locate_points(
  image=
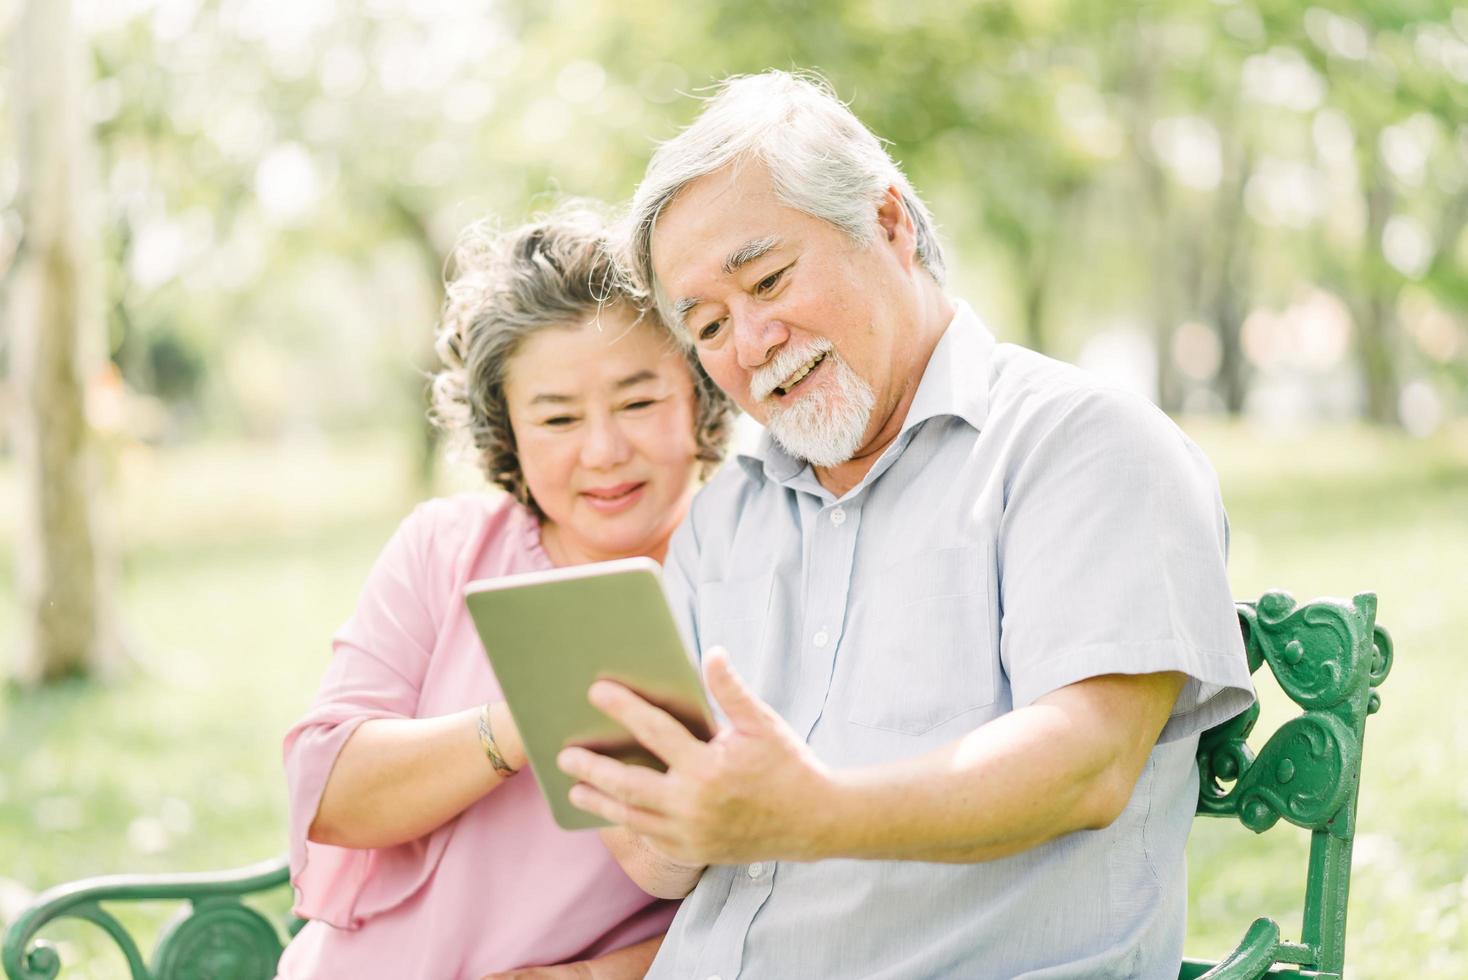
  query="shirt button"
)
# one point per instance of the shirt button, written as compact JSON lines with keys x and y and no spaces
{"x":820,"y":639}
{"x":756,"y":869}
{"x":838,"y":516}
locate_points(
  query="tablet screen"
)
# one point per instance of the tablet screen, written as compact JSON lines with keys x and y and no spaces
{"x":550,"y":634}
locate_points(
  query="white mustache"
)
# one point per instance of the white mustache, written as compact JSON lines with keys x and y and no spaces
{"x":786,"y":363}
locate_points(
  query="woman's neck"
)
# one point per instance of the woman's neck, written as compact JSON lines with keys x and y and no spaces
{"x":564,"y":551}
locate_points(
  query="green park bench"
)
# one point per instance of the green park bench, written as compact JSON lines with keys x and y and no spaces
{"x":1328,"y":656}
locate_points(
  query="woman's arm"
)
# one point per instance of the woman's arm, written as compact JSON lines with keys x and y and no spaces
{"x":654,"y":872}
{"x":397,"y":779}
{"x":628,"y":963}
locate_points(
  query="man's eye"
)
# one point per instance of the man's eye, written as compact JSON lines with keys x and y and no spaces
{"x":710,"y":329}
{"x":769,"y":282}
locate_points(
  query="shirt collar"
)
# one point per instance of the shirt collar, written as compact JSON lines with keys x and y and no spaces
{"x":955,"y":382}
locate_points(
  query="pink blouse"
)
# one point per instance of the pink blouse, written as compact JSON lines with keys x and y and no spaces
{"x":498,"y":887}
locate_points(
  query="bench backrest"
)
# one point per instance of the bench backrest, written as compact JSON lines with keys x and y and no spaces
{"x":1328,"y":656}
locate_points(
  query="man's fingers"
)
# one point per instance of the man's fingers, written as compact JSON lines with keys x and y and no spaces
{"x":745,"y":711}
{"x":659,"y":732}
{"x":635,"y":819}
{"x":636,"y":786}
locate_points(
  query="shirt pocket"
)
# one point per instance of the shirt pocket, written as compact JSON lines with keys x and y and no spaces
{"x":926,"y":655}
{"x":733,"y":615}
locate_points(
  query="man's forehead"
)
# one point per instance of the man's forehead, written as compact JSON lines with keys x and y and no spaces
{"x":713,"y":217}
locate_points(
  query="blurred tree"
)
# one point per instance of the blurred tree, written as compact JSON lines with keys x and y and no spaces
{"x":66,"y":627}
{"x":284,"y":180}
{"x":1395,"y":76}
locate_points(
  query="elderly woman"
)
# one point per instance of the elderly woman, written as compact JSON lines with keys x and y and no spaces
{"x":417,"y":848}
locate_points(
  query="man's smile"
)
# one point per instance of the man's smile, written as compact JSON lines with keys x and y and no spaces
{"x":800,"y":373}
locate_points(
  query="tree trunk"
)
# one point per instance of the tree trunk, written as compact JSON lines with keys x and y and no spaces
{"x":1231,"y":284}
{"x":1164,"y":286}
{"x":1140,"y":82}
{"x":64,"y":621}
{"x":426,"y":443}
{"x":1377,"y":306}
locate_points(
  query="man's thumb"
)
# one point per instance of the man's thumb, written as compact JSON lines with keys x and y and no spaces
{"x":744,"y":711}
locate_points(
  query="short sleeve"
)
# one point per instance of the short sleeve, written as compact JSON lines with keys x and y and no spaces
{"x":1111,"y":558}
{"x":379,"y":660}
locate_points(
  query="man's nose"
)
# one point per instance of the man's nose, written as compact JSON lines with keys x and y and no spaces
{"x":605,"y":445}
{"x":757,"y":337}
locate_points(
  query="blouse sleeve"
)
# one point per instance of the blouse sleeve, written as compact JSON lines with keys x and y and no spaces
{"x":379,"y":659}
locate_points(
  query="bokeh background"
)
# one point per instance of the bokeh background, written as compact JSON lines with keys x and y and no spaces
{"x":1253,"y":211}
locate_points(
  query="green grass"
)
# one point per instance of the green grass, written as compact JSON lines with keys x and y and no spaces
{"x":241,"y":561}
{"x":1331,"y":514}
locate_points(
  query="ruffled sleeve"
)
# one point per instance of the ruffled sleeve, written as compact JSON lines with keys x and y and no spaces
{"x":379,"y":660}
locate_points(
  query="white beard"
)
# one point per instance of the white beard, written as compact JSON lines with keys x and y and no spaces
{"x":825,"y":427}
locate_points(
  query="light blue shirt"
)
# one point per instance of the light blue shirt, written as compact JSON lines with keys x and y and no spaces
{"x":1030,"y":527}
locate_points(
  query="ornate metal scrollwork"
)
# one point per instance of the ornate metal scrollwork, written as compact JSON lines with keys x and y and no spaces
{"x":1316,"y":651}
{"x":220,"y":940}
{"x":1304,"y":774}
{"x":41,"y":963}
{"x":1326,"y":655}
{"x":1381,"y":665}
{"x":1223,"y":756}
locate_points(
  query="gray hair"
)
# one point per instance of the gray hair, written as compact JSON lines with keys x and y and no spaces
{"x":504,"y":286}
{"x":820,"y":158}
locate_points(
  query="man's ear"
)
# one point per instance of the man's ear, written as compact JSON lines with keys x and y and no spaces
{"x":896,"y":227}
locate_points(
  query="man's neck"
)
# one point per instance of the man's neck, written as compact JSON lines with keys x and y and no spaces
{"x":935,"y":312}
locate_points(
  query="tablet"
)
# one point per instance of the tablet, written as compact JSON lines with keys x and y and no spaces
{"x":550,"y":634}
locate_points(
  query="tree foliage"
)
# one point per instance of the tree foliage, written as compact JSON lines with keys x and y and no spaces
{"x":283,"y":179}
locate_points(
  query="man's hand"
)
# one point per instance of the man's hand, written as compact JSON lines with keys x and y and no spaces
{"x":751,"y":793}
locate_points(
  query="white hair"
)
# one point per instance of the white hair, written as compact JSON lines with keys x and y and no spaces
{"x":823,"y":431}
{"x":821,"y":160}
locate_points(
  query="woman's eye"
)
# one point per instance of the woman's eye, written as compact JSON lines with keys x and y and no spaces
{"x":640,"y":403}
{"x":559,"y":421}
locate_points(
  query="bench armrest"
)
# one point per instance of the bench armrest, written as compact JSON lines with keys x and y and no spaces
{"x":217,"y":926}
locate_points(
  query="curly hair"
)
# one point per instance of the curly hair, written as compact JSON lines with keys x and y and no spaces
{"x":504,"y":286}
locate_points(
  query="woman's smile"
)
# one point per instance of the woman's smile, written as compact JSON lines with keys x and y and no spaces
{"x":614,"y":499}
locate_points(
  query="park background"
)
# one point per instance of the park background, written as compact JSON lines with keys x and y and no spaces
{"x":1253,"y":211}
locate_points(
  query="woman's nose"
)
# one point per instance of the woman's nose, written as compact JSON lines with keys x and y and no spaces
{"x":606,"y":444}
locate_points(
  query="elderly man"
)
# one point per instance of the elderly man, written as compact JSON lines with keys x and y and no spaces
{"x":976,"y":598}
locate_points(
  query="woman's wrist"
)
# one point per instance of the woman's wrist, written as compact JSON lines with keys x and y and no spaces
{"x":500,"y":739}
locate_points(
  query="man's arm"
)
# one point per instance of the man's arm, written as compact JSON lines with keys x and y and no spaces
{"x":756,"y":792}
{"x":1068,"y":762}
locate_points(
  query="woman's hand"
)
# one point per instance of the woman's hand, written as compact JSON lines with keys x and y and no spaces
{"x":629,"y":963}
{"x":564,"y":971}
